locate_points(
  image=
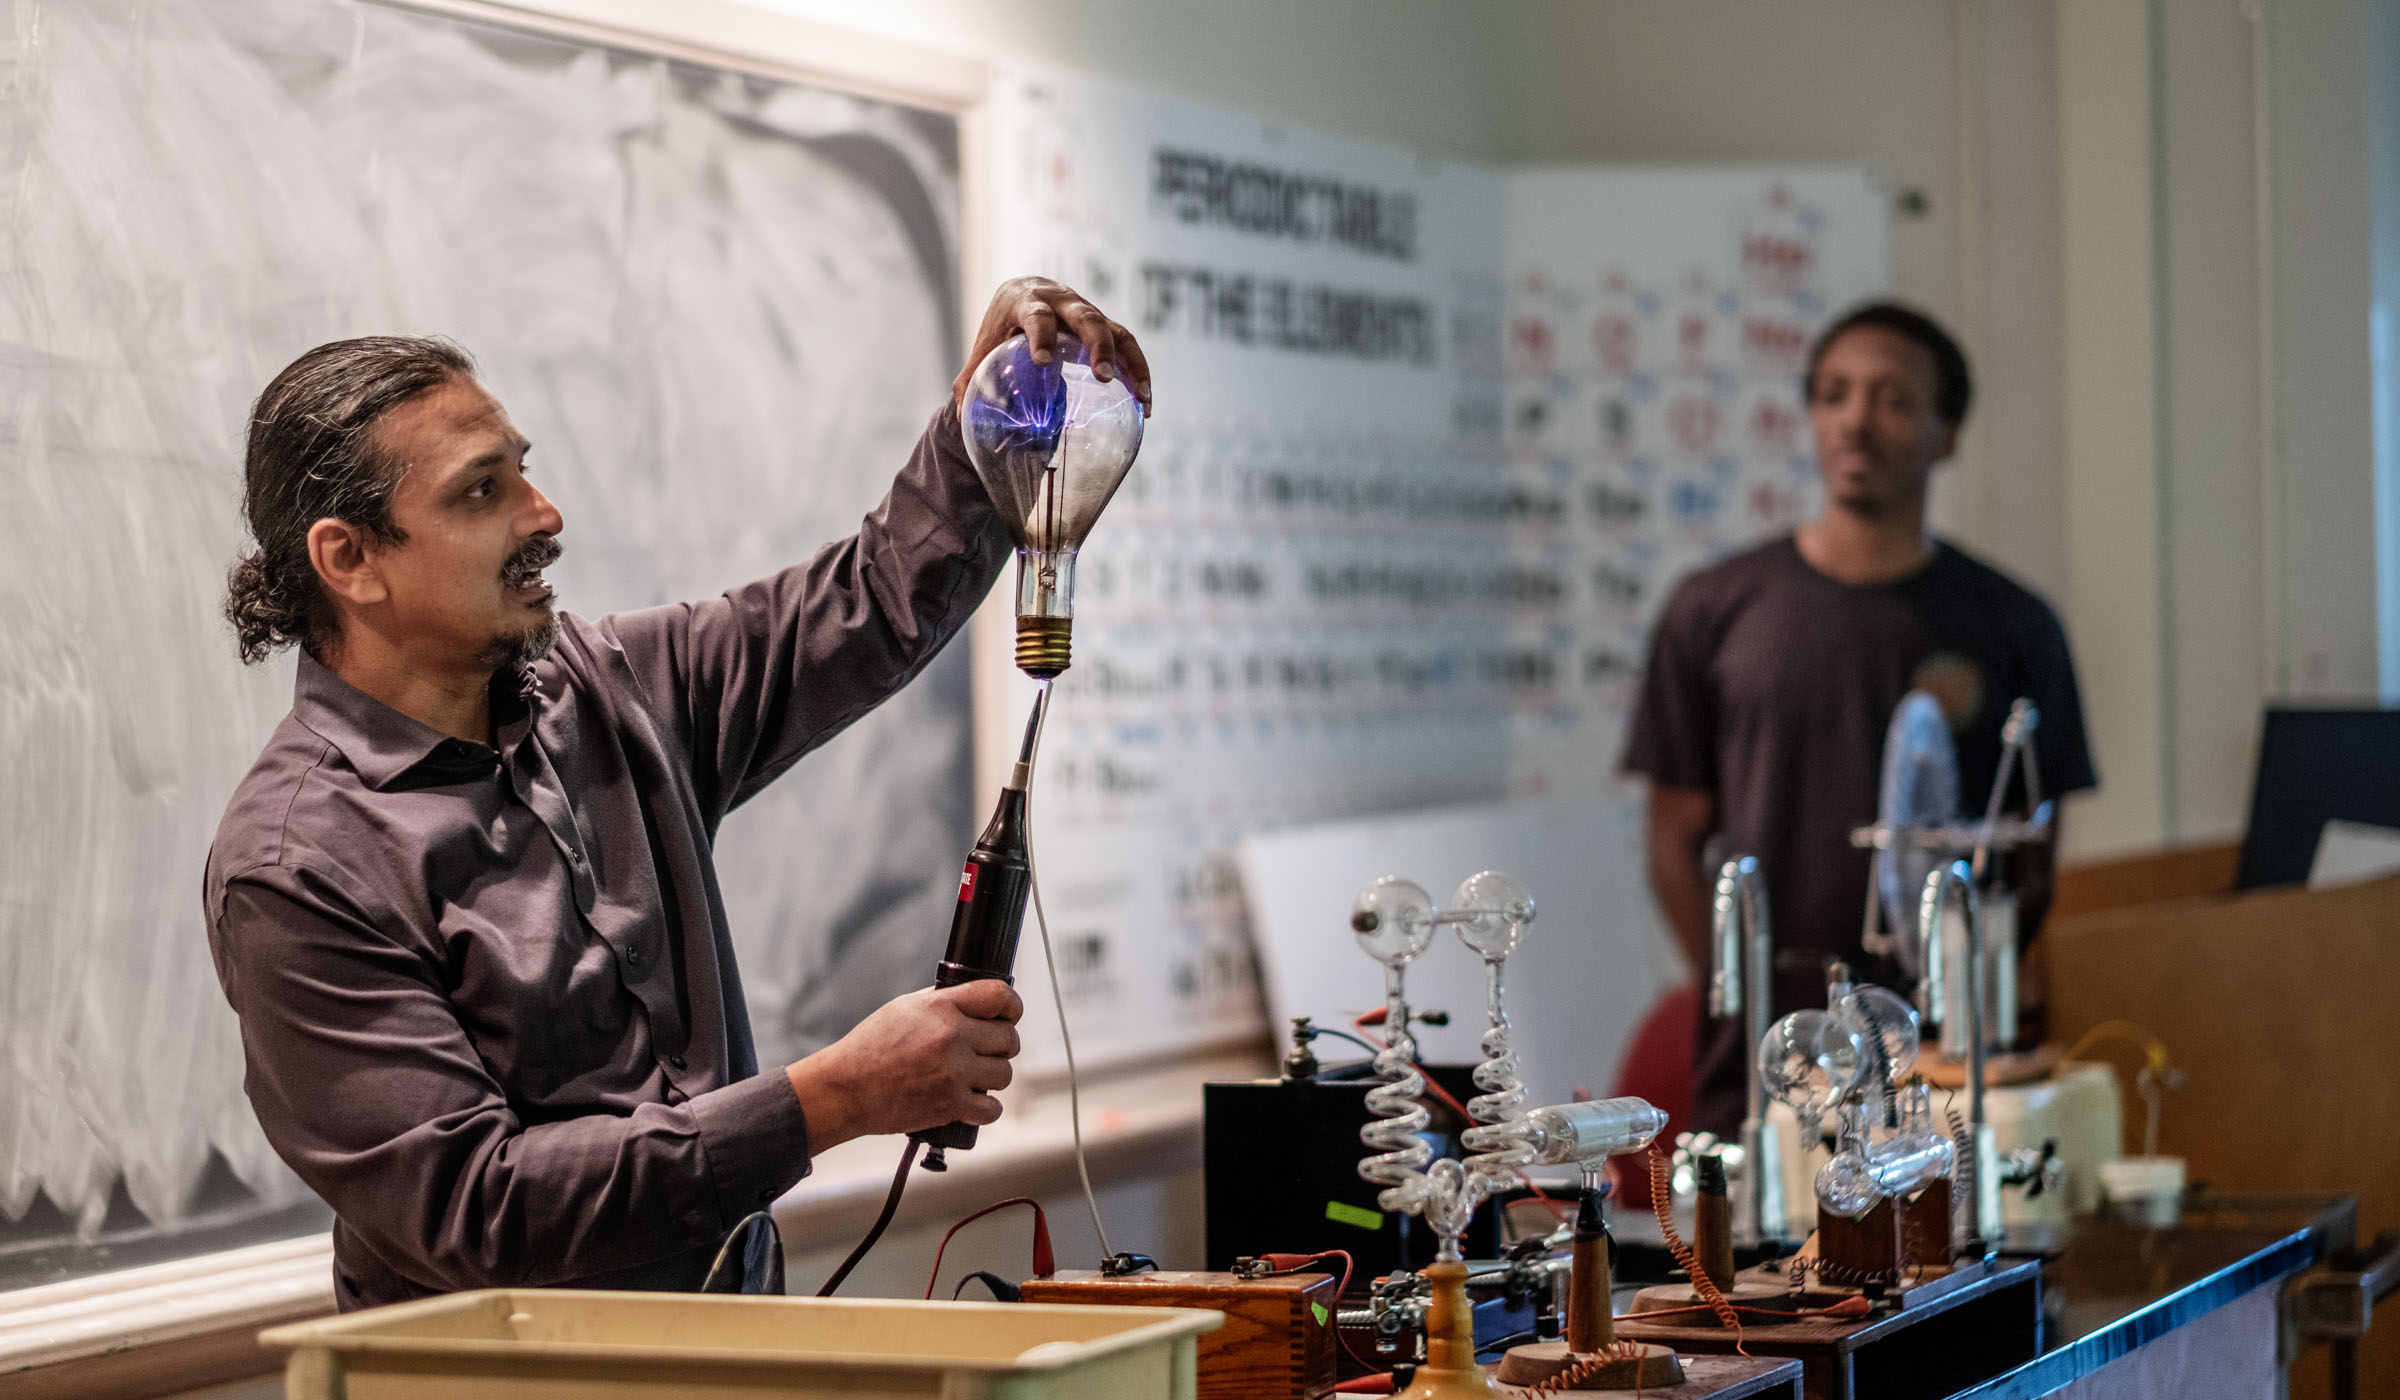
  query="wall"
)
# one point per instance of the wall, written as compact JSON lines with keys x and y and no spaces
{"x":2216,"y":176}
{"x":1439,"y":78}
{"x":2175,"y":428}
{"x":2174,"y":433}
{"x":2383,"y":159}
{"x":1949,"y":103}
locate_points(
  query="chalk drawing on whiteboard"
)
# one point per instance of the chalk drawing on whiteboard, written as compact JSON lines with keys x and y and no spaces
{"x":664,"y":271}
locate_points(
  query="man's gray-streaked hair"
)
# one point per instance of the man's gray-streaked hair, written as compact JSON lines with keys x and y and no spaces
{"x":312,"y":456}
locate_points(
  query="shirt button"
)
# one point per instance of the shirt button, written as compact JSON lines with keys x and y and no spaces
{"x":633,"y":956}
{"x":676,"y":1061}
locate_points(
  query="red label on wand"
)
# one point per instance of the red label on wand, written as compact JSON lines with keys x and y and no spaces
{"x":966,"y":883}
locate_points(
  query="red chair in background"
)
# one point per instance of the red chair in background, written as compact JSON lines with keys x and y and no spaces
{"x":1657,"y":1067}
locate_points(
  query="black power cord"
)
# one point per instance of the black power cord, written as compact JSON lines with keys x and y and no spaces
{"x":891,"y":1207}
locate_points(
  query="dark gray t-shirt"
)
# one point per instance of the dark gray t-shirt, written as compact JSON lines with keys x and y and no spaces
{"x":1770,"y":685}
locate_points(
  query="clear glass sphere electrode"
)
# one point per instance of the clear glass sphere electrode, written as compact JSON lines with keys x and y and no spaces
{"x":1808,"y":1059}
{"x":1846,"y":1186}
{"x":1496,"y":909}
{"x":1393,"y":919}
{"x":1886,"y":1023}
{"x":1051,"y":441}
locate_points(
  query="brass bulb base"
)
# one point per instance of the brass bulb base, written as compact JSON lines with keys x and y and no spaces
{"x":1044,"y":645}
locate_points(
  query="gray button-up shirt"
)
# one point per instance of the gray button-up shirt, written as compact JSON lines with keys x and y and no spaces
{"x":487,"y":996}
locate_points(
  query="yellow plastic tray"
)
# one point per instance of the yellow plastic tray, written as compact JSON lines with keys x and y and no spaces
{"x":558,"y":1344}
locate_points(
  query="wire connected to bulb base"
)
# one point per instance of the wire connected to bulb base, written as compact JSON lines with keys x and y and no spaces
{"x":1044,"y":645}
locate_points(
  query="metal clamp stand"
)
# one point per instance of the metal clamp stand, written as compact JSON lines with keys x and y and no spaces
{"x":1742,"y":983}
{"x":1978,"y":1232}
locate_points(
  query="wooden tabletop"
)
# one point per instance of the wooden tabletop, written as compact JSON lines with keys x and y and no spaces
{"x":1802,"y":1336}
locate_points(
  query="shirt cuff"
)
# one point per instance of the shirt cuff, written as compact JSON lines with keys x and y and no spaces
{"x":754,"y":1142}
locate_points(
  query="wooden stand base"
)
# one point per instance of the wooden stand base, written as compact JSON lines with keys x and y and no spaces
{"x":1643,"y":1366}
{"x":1449,"y":1383}
{"x":1449,"y":1372}
{"x":1677,"y":1305}
{"x":1915,"y":1288}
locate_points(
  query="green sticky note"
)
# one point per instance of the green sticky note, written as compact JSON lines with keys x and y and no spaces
{"x":1344,"y":1213}
{"x":1317,"y":1310}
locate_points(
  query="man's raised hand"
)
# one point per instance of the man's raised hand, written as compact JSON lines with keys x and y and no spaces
{"x":1038,"y":307}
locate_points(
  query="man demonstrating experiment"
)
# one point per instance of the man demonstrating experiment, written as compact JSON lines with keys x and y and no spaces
{"x":464,"y":903}
{"x":1772,"y":677}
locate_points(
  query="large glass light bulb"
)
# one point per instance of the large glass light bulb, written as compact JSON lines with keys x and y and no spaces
{"x":1886,"y":1024}
{"x":1051,"y":442}
{"x":1809,"y":1058}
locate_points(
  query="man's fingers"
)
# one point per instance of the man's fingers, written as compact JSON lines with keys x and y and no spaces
{"x":988,"y":1076}
{"x":980,"y":1110}
{"x":993,"y":1038}
{"x":987,"y":999}
{"x":1040,"y":325}
{"x":1098,"y":334}
{"x":1137,"y":364}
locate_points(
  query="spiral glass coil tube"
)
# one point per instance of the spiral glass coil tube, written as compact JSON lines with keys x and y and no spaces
{"x":1498,"y":1141}
{"x":1492,"y":911}
{"x":1398,"y":1119}
{"x":1393,"y":922}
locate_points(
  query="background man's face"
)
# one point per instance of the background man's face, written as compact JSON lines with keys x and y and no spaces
{"x":1871,"y":403}
{"x":466,"y":582}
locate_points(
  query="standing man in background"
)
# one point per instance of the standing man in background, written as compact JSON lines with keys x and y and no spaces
{"x":465,"y":903}
{"x":1772,"y":677}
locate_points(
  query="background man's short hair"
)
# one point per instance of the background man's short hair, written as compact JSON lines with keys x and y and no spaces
{"x":1954,"y":388}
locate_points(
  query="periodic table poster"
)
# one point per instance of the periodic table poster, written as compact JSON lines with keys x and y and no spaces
{"x":1431,"y":440}
{"x":1658,"y":327}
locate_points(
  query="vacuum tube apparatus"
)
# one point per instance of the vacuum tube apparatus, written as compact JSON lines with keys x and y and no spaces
{"x":1918,"y":830}
{"x":1394,"y":920}
{"x":1052,"y":441}
{"x":1741,"y":983}
{"x":1884,"y":1199}
{"x":1591,"y":1356}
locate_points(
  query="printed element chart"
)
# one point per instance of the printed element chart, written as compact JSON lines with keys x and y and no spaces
{"x":1432,"y":442}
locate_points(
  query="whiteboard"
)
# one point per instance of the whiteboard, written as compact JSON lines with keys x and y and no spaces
{"x":664,"y":271}
{"x":1285,"y":614}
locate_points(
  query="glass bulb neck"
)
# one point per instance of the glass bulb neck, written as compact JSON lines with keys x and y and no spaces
{"x":1046,"y":582}
{"x":1045,"y":611}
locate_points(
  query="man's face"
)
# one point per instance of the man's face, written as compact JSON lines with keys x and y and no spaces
{"x":1878,"y":434}
{"x":465,"y":584}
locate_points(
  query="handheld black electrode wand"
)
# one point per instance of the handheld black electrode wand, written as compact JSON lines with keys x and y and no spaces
{"x":1051,"y":435}
{"x":991,"y":907}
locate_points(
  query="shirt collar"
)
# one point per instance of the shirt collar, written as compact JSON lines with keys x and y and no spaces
{"x":383,"y":745}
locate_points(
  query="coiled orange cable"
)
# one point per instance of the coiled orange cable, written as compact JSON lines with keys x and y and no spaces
{"x":1590,"y":1366}
{"x":1662,"y":1201}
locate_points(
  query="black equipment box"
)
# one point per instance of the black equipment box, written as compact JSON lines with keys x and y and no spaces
{"x":1281,"y":1158}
